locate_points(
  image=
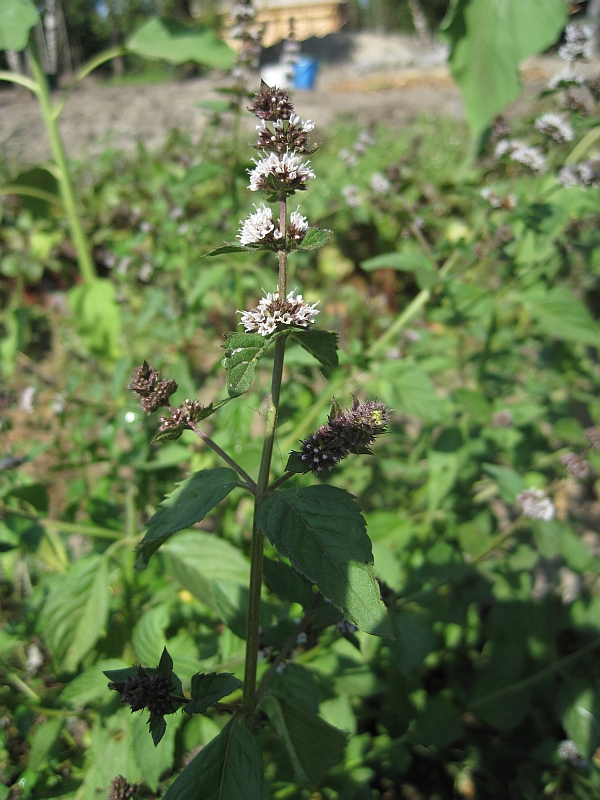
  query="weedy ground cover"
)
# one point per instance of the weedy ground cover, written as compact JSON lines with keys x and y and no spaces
{"x":466,"y":298}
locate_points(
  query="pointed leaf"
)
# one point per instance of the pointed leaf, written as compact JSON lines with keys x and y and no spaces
{"x":158,"y":728}
{"x":189,"y":503}
{"x":244,"y":351}
{"x":323,"y":345}
{"x":229,"y":248}
{"x":17,"y":17}
{"x":313,"y":745}
{"x":209,"y":688}
{"x":166,"y":38}
{"x":315,"y":238}
{"x":76,"y":611}
{"x":321,"y":530}
{"x":228,"y":768}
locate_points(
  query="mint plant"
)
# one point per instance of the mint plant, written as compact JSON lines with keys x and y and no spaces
{"x":324,"y":560}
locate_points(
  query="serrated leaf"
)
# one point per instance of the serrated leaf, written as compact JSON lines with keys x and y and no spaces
{"x":314,"y":239}
{"x":168,"y":39}
{"x":75,"y":614}
{"x":229,"y":248}
{"x":287,"y":584}
{"x":321,"y":530}
{"x":189,"y":503}
{"x":313,"y":745}
{"x":17,"y":17}
{"x":323,"y":345}
{"x":489,"y":39}
{"x":230,"y":767}
{"x":424,"y":269}
{"x":243,"y":351}
{"x":209,"y":688}
{"x":561,"y":315}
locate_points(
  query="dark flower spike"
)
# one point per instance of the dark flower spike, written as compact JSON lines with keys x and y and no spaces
{"x":271,"y":104}
{"x":153,"y":393}
{"x":158,"y":689}
{"x":347,"y":432}
{"x":121,"y":789}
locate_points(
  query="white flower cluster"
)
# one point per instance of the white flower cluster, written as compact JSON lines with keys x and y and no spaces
{"x":351,"y":195}
{"x":287,"y":169}
{"x":584,"y":174}
{"x":258,"y":227}
{"x":272,"y":312}
{"x":298,"y":226}
{"x":535,"y":504}
{"x":555,"y":126}
{"x":379,"y":183}
{"x":496,"y":200}
{"x":567,"y":751}
{"x":522,"y":153}
{"x":579,"y":42}
{"x":565,"y":78}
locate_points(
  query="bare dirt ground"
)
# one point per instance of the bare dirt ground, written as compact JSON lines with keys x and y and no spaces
{"x":363,"y":77}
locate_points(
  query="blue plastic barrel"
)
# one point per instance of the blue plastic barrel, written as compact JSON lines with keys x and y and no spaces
{"x":305,"y":73}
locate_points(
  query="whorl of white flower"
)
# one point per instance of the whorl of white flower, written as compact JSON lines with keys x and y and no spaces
{"x":555,"y":126}
{"x":283,"y":166}
{"x":349,"y":159}
{"x":567,"y":751}
{"x":579,"y":42}
{"x":351,"y":195}
{"x":295,"y":122}
{"x":503,"y":147}
{"x":272,"y":312}
{"x":530,"y":157}
{"x":566,"y":76}
{"x":258,"y":226}
{"x":508,"y":202}
{"x":298,"y":226}
{"x":584,"y":174}
{"x":379,"y":183}
{"x":535,"y":504}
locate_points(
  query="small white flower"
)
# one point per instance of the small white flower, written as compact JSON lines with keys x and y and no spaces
{"x":584,"y":174}
{"x":379,"y":183}
{"x":566,"y":76}
{"x":298,"y":226}
{"x":530,"y":157}
{"x":579,"y":42}
{"x":555,"y":126}
{"x":535,"y":504}
{"x":288,"y":169}
{"x":273,"y":311}
{"x":502,"y":148}
{"x":257,"y":227}
{"x":351,"y":195}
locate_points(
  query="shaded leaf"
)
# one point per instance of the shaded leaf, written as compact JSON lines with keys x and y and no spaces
{"x":209,"y":688}
{"x":321,"y":530}
{"x":313,"y":745}
{"x":187,"y":504}
{"x":424,"y":269}
{"x":323,"y":345}
{"x":287,"y":584}
{"x":561,"y":315}
{"x":314,"y":239}
{"x":230,"y":767}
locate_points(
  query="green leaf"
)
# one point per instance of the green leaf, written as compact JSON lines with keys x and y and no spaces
{"x":313,"y":745}
{"x":148,"y":637}
{"x":561,"y":315}
{"x":209,"y":688}
{"x":230,"y":248}
{"x":489,"y":39}
{"x":75,"y":614}
{"x":228,"y":768}
{"x":201,"y":173}
{"x":158,"y":728}
{"x":413,"y":641}
{"x":98,"y":317}
{"x":314,"y":239}
{"x":17,"y":17}
{"x":37,"y":178}
{"x":189,"y":503}
{"x":406,"y":388}
{"x":581,"y":719}
{"x":153,"y":761}
{"x":424,"y":269}
{"x":43,"y":740}
{"x":91,"y":685}
{"x":439,"y":724}
{"x":287,"y":584}
{"x":323,"y":345}
{"x":243,"y":351}
{"x":321,"y":530}
{"x":168,"y":39}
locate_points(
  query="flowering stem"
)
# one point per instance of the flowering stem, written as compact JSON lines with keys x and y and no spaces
{"x":227,"y":458}
{"x":258,"y":537}
{"x":282,"y":254}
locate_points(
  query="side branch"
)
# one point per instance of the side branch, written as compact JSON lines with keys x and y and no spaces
{"x":227,"y":458}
